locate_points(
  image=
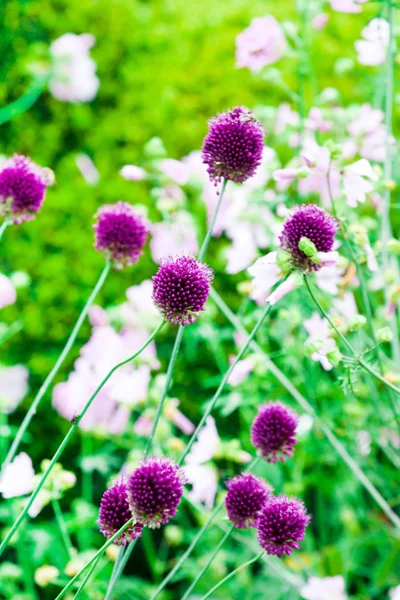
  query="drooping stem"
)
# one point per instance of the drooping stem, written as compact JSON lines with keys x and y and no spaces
{"x":179,"y":335}
{"x":25,"y":101}
{"x":42,"y":391}
{"x":224,"y":381}
{"x":94,"y":558}
{"x":68,"y":437}
{"x":294,"y":392}
{"x":4,"y":226}
{"x":232,"y":573}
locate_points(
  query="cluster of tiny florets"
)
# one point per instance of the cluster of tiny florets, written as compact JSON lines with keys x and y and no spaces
{"x":155,"y":490}
{"x":233,"y":147}
{"x":121,"y":234}
{"x":281,"y":525}
{"x":312,"y":222}
{"x":23,"y":187}
{"x":115,"y":512}
{"x":246,"y":497}
{"x":273,"y":431}
{"x":180,"y":289}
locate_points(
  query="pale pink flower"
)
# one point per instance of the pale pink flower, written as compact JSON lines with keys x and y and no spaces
{"x":364,"y":442}
{"x":132,"y":173}
{"x":176,"y":237}
{"x":294,"y":281}
{"x":98,"y":316}
{"x":8,"y":295}
{"x":370,"y":133}
{"x":87,"y":168}
{"x":372,"y":48}
{"x":13,"y":387}
{"x":262,"y":43}
{"x":73,"y":77}
{"x":320,"y":21}
{"x":242,"y":369}
{"x":140,"y":310}
{"x":173,"y":414}
{"x":266,"y":274}
{"x":317,"y":180}
{"x":175,"y":170}
{"x":203,"y":480}
{"x":285,"y":176}
{"x":143,"y":426}
{"x":346,"y":306}
{"x":394,"y":593}
{"x":316,"y":122}
{"x":285,"y":117}
{"x":324,"y":588}
{"x":17,"y":478}
{"x":357,"y":182}
{"x":318,"y":330}
{"x":206,"y":445}
{"x":328,"y":279}
{"x":346,"y":6}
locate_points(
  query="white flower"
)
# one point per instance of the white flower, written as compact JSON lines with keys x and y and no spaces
{"x":8,"y":295}
{"x":318,"y":329}
{"x":13,"y":387}
{"x":324,"y":588}
{"x":206,"y":445}
{"x":204,"y":484}
{"x":394,"y":593}
{"x":266,"y":274}
{"x":18,"y":477}
{"x":132,"y":173}
{"x":73,"y":76}
{"x":372,"y":48}
{"x":87,"y":168}
{"x":355,"y":181}
{"x":328,"y":279}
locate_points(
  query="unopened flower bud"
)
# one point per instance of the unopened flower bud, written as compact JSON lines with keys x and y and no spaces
{"x":283,"y":261}
{"x":394,"y":246}
{"x":46,"y":575}
{"x":359,"y":234}
{"x":312,"y":346}
{"x":390,"y":276}
{"x":308,"y":247}
{"x":356,"y":322}
{"x":389,"y":184}
{"x":384,"y":335}
{"x":335,"y":150}
{"x":112,"y":552}
{"x":334,"y":356}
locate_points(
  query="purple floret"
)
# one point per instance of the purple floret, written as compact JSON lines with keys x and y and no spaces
{"x":246,"y":497}
{"x":273,"y":431}
{"x":115,"y":512}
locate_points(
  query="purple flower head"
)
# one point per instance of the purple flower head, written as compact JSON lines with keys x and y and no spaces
{"x":246,"y":497}
{"x":121,"y":233}
{"x":282,"y":524}
{"x":273,"y":431}
{"x":115,"y":512}
{"x":155,"y":490}
{"x":180,"y":288}
{"x":233,"y":147}
{"x":312,"y":222}
{"x":22,"y":188}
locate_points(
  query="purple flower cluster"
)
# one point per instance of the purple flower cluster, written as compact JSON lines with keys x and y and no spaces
{"x":115,"y":512}
{"x":273,"y":431}
{"x":281,"y":525}
{"x":121,"y":234}
{"x":180,"y":289}
{"x":312,"y":222}
{"x":151,"y":495}
{"x":23,"y":187}
{"x":233,"y":147}
{"x":245,"y":499}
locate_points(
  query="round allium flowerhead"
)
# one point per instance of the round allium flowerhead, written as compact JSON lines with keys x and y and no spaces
{"x":246,"y":497}
{"x":312,"y":222}
{"x":233,"y":147}
{"x":115,"y":512}
{"x":155,"y":490}
{"x":281,"y":525}
{"x":273,"y":431}
{"x":180,"y":288}
{"x":121,"y":234}
{"x":22,"y":188}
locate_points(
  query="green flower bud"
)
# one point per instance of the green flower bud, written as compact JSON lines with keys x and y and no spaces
{"x":311,"y":346}
{"x":390,"y":276}
{"x":283,"y":261}
{"x":308,"y":247}
{"x":335,"y":150}
{"x":384,"y":334}
{"x":394,"y":246}
{"x":356,"y":322}
{"x":334,"y":356}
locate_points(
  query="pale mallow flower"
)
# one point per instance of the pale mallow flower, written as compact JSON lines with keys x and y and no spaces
{"x":201,"y":477}
{"x":357,"y":182}
{"x":132,"y":173}
{"x":73,"y":76}
{"x":13,"y":387}
{"x":347,"y":6}
{"x":18,"y":477}
{"x":372,"y":48}
{"x":324,"y":588}
{"x":262,"y":43}
{"x":87,"y":169}
{"x":176,"y":170}
{"x":8,"y":295}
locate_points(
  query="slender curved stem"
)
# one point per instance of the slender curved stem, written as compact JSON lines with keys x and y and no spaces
{"x":294,"y":392}
{"x":42,"y":391}
{"x":224,"y":381}
{"x":67,"y":438}
{"x":94,"y":558}
{"x":23,"y":103}
{"x":232,"y":573}
{"x":120,"y":557}
{"x":87,"y":577}
{"x":4,"y":225}
{"x":208,"y":563}
{"x":119,"y":569}
{"x":206,"y":241}
{"x":63,"y":528}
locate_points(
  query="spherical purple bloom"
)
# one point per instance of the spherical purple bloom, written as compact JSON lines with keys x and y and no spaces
{"x":115,"y":512}
{"x":121,"y":233}
{"x":312,"y":222}
{"x":246,"y":497}
{"x":273,"y":430}
{"x":281,"y":525}
{"x":155,"y":490}
{"x":233,"y":147}
{"x":180,"y":288}
{"x":22,"y":188}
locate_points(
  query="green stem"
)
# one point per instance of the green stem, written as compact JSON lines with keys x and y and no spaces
{"x":224,"y":381}
{"x":68,"y":437}
{"x":33,"y":408}
{"x":23,"y":103}
{"x":294,"y":392}
{"x":4,"y":225}
{"x":63,"y":528}
{"x":231,"y":574}
{"x":208,"y":563}
{"x":181,"y":330}
{"x":94,"y":558}
{"x":360,"y":361}
{"x":87,"y":577}
{"x":118,"y":569}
